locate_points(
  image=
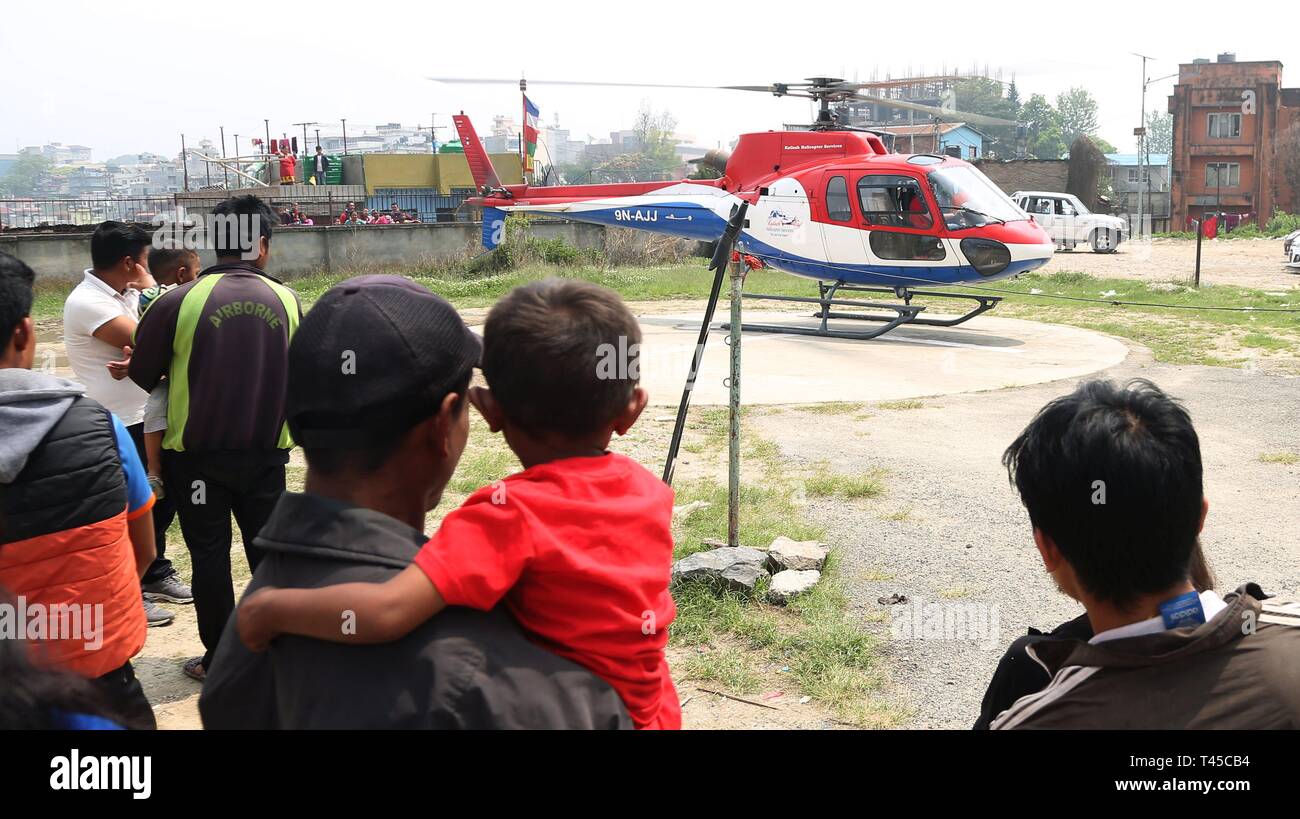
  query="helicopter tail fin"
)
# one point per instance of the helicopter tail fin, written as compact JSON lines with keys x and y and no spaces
{"x":480,"y":166}
{"x":494,"y":227}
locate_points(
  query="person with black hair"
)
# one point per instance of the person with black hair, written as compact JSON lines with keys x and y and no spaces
{"x":320,"y":166}
{"x":1112,"y":479}
{"x":578,"y":545}
{"x":99,"y":319}
{"x":75,"y":530}
{"x":378,"y":375}
{"x":222,"y":341}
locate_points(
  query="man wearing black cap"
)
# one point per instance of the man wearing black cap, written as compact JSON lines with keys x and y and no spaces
{"x":378,"y":373}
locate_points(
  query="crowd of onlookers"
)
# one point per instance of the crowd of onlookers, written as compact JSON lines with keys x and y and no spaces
{"x":352,"y":215}
{"x":544,"y":599}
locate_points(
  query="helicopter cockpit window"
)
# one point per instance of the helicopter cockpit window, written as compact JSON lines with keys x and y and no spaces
{"x":837,"y":200}
{"x":968,"y":199}
{"x":893,"y":201}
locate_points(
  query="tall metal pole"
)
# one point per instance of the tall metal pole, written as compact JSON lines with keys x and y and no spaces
{"x":733,"y":385}
{"x":345,"y":136}
{"x":270,"y":174}
{"x":224,"y":170}
{"x":1142,"y":141}
{"x":185,"y":163}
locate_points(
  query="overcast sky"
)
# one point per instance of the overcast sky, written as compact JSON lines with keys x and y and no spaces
{"x":127,"y":76}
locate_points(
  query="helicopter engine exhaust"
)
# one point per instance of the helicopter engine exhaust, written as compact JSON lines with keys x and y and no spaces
{"x":715,"y":160}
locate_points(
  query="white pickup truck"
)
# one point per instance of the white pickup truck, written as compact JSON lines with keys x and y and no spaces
{"x":1069,"y":222}
{"x":1291,"y":249}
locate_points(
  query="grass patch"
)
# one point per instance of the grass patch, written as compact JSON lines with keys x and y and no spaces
{"x":1194,"y":331}
{"x":830,"y":658}
{"x":734,"y":668}
{"x":832,"y":485}
{"x":876,"y":576}
{"x":1263,"y":341}
{"x":898,"y":515}
{"x":901,"y":405}
{"x":1285,"y":458}
{"x":830,"y":408}
{"x":482,"y":467}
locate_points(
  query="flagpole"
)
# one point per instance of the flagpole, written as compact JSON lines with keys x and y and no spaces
{"x":523,"y":128}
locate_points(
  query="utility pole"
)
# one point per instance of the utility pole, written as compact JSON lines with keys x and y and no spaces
{"x":224,"y":170}
{"x":345,"y":136}
{"x":185,"y":163}
{"x":304,"y":134}
{"x":1141,"y":132}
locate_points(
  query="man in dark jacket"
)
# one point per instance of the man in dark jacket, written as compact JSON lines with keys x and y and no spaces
{"x":320,"y":166}
{"x":1111,"y":477}
{"x":377,"y":379}
{"x":222,"y":342}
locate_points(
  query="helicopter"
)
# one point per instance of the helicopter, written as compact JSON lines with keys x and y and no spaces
{"x":830,"y":203}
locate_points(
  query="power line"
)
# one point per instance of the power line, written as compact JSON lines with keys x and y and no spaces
{"x":1117,"y":303}
{"x":1113,"y":302}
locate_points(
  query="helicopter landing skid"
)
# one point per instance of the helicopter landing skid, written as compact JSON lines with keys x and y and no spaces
{"x":905,"y":313}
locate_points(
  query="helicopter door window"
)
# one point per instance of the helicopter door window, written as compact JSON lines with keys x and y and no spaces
{"x":837,"y":200}
{"x":912,"y":247}
{"x":893,"y":201}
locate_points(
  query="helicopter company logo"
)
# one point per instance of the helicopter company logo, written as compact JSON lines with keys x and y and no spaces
{"x":779,"y":223}
{"x":637,"y":215}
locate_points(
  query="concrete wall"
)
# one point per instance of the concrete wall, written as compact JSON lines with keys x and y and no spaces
{"x":301,"y":251}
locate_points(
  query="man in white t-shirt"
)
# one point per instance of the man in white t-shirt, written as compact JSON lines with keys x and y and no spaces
{"x":99,"y":319}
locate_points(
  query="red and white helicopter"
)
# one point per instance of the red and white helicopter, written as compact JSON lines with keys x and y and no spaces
{"x":830,"y":204}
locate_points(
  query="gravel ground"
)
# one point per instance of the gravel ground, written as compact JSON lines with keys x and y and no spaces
{"x":1254,"y":263}
{"x":965,"y":537}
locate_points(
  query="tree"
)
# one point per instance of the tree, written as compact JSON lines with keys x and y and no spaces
{"x":653,"y":153}
{"x":1160,"y":132}
{"x":1288,"y":154}
{"x":1104,"y":146}
{"x":1078,"y":112}
{"x":979,"y":95}
{"x":1013,"y":95}
{"x":1043,"y":124}
{"x":25,"y":175}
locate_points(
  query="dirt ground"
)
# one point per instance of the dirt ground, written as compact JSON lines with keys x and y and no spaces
{"x":1256,"y":263}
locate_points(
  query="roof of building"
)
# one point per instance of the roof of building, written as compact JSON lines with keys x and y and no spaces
{"x":1153,"y":160}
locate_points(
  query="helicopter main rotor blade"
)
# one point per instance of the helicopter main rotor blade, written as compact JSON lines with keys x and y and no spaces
{"x":938,"y":113}
{"x":481,"y":81}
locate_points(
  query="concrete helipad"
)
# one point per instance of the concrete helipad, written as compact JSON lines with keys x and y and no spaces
{"x":987,"y":353}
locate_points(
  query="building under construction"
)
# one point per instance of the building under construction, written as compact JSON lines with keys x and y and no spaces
{"x":937,"y":90}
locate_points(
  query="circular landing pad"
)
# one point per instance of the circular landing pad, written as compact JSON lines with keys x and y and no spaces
{"x":988,"y":353}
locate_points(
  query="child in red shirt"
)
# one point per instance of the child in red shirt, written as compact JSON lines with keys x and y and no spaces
{"x":578,"y":545}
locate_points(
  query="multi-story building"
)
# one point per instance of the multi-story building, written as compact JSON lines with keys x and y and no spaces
{"x":59,"y":154}
{"x":1228,"y":117}
{"x":1129,"y":182}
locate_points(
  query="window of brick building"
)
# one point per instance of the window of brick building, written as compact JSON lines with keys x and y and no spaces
{"x":1224,"y":126}
{"x":1222,"y":175}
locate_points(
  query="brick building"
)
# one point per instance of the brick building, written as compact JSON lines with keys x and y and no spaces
{"x":1228,"y":120}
